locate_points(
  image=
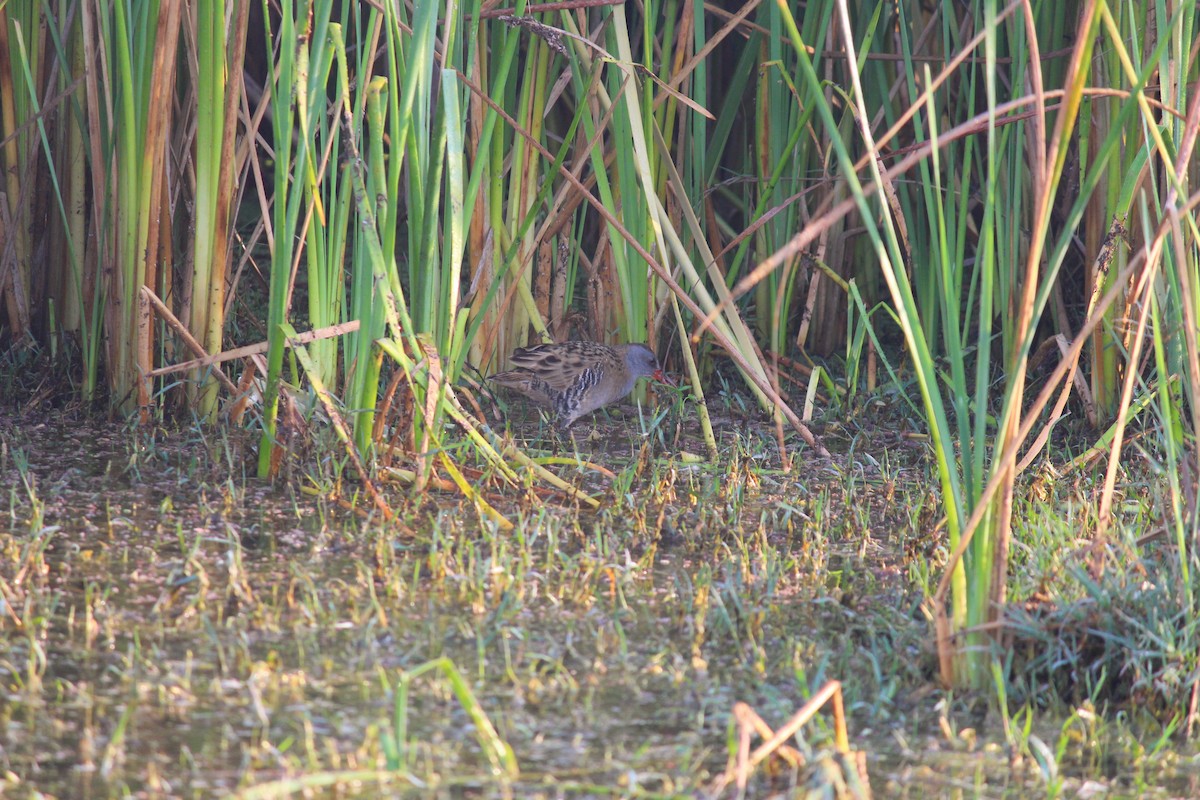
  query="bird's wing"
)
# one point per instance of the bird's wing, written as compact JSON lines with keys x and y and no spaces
{"x":557,"y":367}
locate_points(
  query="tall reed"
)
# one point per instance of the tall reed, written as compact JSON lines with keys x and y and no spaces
{"x":459,"y":184}
{"x":219,"y":54}
{"x":972,"y":253}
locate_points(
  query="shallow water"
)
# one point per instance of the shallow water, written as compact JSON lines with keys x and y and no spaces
{"x":173,"y":627}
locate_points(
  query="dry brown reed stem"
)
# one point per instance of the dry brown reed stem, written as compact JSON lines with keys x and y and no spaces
{"x":738,"y":358}
{"x":15,"y":294}
{"x":14,"y":285}
{"x":185,"y":335}
{"x":237,"y":409}
{"x":160,"y":107}
{"x":434,"y":382}
{"x":250,"y":349}
{"x":403,"y":429}
{"x":342,"y":430}
{"x":776,"y":741}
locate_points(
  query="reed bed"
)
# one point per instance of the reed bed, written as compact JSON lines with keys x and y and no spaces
{"x":993,"y":200}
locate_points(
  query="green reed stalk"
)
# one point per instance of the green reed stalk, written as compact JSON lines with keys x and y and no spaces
{"x":284,"y":74}
{"x":1120,"y":168}
{"x":489,"y":54}
{"x":428,"y":138}
{"x":618,"y":187}
{"x":214,"y":187}
{"x":383,"y":120}
{"x":522,"y":192}
{"x":306,"y":190}
{"x":362,"y":368}
{"x":1023,"y":296}
{"x":328,"y":199}
{"x":976,"y":583}
{"x":633,"y":183}
{"x":129,"y":121}
{"x":785,"y":162}
{"x":1166,"y":299}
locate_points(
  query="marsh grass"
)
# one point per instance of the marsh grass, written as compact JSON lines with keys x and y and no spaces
{"x":925,"y":174}
{"x":226,"y":636}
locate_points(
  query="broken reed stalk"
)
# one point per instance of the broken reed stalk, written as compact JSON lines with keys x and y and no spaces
{"x":750,"y":723}
{"x":339,"y":425}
